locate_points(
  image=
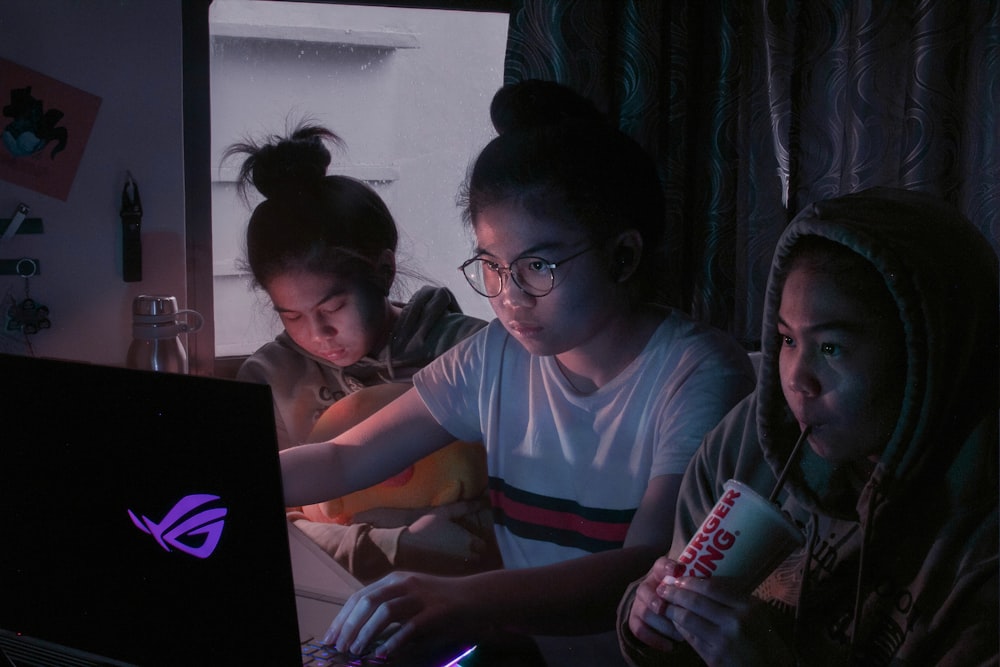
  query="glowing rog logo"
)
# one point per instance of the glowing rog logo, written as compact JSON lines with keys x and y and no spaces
{"x":188,"y":526}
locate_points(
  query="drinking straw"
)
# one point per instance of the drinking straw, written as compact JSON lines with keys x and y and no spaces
{"x":788,"y":464}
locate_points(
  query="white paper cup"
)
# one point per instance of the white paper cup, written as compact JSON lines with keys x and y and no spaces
{"x":745,"y":537}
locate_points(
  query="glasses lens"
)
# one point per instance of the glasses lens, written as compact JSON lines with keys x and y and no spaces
{"x":533,"y":275}
{"x":483,"y":275}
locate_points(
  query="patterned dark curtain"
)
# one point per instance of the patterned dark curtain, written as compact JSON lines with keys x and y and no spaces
{"x":755,"y":109}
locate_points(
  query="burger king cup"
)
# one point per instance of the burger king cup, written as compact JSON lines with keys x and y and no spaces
{"x":745,"y":537}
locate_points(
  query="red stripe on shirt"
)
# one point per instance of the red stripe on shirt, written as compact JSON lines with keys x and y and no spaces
{"x":600,"y":530}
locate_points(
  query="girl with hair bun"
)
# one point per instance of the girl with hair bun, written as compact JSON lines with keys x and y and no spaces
{"x":588,"y":397}
{"x":323,"y":248}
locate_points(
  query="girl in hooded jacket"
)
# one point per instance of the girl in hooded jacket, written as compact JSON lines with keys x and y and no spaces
{"x":879,"y":341}
{"x":323,"y":248}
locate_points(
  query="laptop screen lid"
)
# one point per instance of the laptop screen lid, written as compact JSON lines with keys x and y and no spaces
{"x":142,"y":517}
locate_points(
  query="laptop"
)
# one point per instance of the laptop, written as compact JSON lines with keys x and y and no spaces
{"x":143,"y":524}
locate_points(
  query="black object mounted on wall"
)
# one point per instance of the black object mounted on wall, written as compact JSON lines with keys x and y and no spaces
{"x":19,"y":223}
{"x":131,"y":214}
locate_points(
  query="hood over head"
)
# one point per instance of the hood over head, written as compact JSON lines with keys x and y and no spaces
{"x":942,"y":274}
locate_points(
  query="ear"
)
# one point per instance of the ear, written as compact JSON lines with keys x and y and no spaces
{"x":385,"y":268}
{"x":626,"y":255}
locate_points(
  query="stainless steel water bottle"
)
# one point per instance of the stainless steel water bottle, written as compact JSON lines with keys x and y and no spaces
{"x":156,"y":329}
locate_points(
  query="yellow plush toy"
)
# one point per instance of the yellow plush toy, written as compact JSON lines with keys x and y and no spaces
{"x":455,"y":472}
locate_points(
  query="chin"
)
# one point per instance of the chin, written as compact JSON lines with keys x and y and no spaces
{"x":533,"y":344}
{"x":839,"y":456}
{"x":833,"y":454}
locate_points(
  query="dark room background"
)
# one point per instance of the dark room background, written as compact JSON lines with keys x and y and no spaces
{"x":755,"y":109}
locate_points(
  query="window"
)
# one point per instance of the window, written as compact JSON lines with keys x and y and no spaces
{"x":408,"y":89}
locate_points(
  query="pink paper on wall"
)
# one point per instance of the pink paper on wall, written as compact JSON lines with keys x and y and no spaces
{"x":44,"y":128}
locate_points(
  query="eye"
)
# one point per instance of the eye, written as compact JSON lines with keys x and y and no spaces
{"x":829,"y":349}
{"x":785,"y":341}
{"x":488,"y":265}
{"x":535,"y":265}
{"x":335,"y":308}
{"x":331,"y":308}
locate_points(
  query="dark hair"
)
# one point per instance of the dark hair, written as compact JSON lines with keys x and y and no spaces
{"x":310,"y":221}
{"x":571,"y":167}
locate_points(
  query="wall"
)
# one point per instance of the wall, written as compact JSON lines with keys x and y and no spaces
{"x":128,"y":53}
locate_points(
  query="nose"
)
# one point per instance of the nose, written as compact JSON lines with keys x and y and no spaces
{"x":320,"y":329}
{"x":511,"y":295}
{"x":799,"y":373}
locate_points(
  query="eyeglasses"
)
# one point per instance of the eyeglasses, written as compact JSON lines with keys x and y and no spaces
{"x":534,"y":276}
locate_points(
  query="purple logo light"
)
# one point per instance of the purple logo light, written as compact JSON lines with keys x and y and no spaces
{"x":186,"y":520}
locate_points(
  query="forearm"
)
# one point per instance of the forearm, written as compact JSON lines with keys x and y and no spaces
{"x":578,"y":596}
{"x":317,"y":472}
{"x":374,"y":450}
{"x":306,"y":474}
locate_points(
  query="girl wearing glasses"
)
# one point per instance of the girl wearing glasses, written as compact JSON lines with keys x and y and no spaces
{"x":323,"y":248}
{"x":588,"y":399}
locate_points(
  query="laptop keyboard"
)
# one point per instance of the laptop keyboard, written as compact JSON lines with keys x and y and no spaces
{"x":318,"y":655}
{"x":315,"y":654}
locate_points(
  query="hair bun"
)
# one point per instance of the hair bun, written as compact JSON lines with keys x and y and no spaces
{"x":534,"y":103}
{"x":286,"y":166}
{"x":292,"y":165}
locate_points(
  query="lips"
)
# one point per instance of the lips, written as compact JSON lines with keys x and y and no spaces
{"x":334,"y":355}
{"x":805,"y":416}
{"x":524,"y":328}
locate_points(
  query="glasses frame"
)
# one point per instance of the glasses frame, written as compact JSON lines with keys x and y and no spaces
{"x":505,"y":269}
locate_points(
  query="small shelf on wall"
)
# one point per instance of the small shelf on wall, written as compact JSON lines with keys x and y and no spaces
{"x":298,"y":22}
{"x":373,"y":39}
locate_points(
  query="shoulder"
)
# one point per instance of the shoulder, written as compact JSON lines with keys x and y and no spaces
{"x":732,"y":450}
{"x":280,"y":363}
{"x":433,"y":321}
{"x":678,"y":328}
{"x":481,"y":344}
{"x":471,"y":359}
{"x":268,"y":359}
{"x":729,"y":450}
{"x":683,"y":348}
{"x":734,"y":438}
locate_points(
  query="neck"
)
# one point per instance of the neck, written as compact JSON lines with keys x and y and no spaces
{"x":589,"y":368}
